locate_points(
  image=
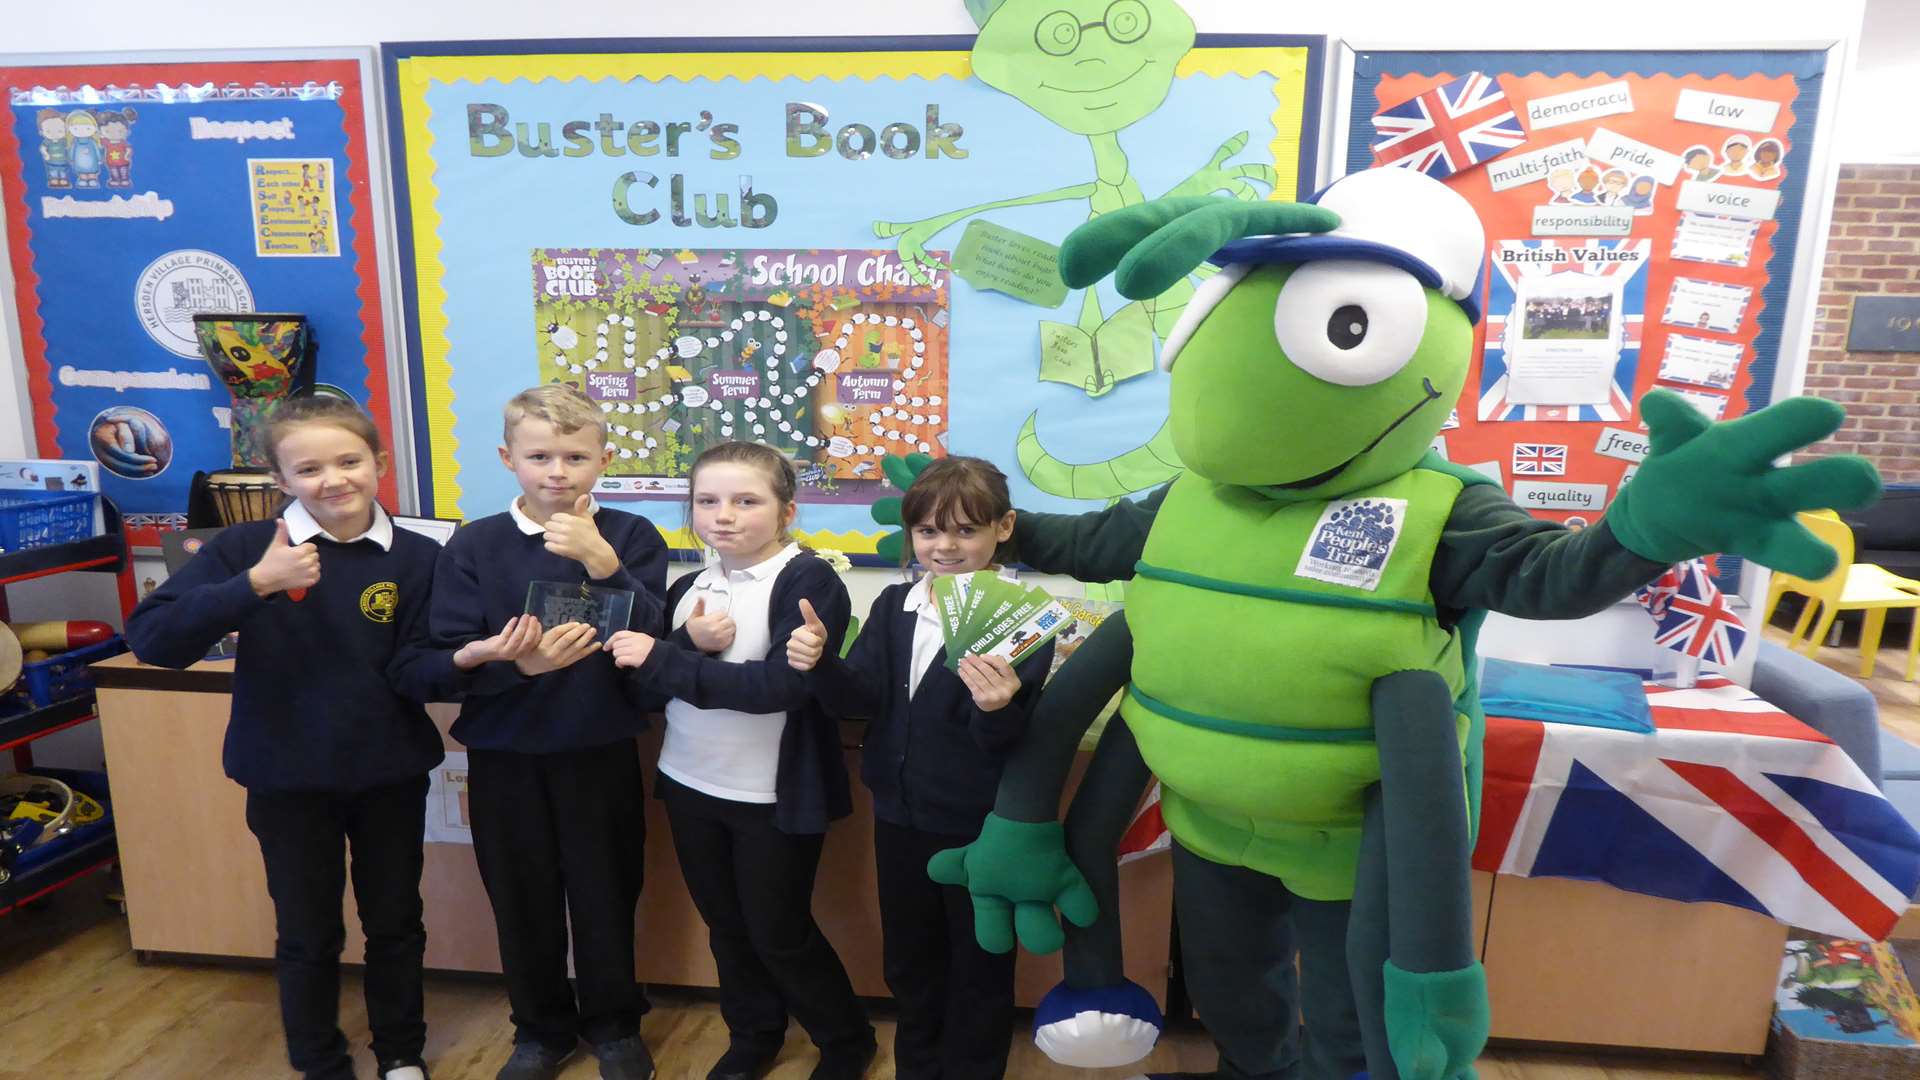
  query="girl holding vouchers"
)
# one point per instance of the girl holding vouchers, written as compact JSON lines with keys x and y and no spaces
{"x":751,"y":769}
{"x":932,"y":759}
{"x":327,"y":735}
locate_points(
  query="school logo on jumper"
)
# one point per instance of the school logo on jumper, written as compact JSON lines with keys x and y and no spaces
{"x":380,"y":601}
{"x":1352,"y":542}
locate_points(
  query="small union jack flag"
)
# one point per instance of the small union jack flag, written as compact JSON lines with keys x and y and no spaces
{"x":1448,"y":129}
{"x":1539,"y":459}
{"x":1691,"y":616}
{"x":1148,"y":834}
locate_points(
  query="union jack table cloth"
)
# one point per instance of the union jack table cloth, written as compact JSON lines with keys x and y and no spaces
{"x":1729,"y":800}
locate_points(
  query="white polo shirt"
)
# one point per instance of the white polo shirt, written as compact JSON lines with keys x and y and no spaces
{"x":301,"y":527}
{"x":533,"y":528}
{"x":721,"y":752}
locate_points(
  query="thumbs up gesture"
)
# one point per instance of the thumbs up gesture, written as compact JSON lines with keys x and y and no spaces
{"x":710,"y":633}
{"x":285,"y":566}
{"x":806,"y":644}
{"x":575,"y":536}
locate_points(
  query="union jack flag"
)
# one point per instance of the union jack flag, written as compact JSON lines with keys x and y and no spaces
{"x":1539,"y":459}
{"x":1729,"y":800}
{"x":1148,"y":834}
{"x":1690,"y":614}
{"x":1448,"y":129}
{"x":1607,"y":260}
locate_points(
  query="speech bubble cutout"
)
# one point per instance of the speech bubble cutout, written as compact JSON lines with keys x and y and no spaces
{"x":840,"y":446}
{"x":695,"y":396}
{"x":686,"y":348}
{"x":827,"y":361}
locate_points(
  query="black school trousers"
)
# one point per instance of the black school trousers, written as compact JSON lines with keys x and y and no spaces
{"x":304,"y":839}
{"x":955,"y":999}
{"x":561,"y":840}
{"x":753,"y":885}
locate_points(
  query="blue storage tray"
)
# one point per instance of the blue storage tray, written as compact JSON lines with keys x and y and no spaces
{"x":58,"y":678}
{"x":31,"y":519}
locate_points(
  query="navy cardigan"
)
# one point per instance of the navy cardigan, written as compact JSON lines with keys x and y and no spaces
{"x":933,"y":760}
{"x":811,"y":787}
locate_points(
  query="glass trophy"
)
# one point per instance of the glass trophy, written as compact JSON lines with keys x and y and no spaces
{"x":556,"y":602}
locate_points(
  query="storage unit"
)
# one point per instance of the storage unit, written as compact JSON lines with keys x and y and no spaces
{"x":106,"y":553}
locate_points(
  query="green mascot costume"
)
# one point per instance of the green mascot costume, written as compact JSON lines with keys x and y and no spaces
{"x":1297,"y":652}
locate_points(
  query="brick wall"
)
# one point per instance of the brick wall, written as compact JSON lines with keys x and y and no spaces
{"x":1874,"y":248}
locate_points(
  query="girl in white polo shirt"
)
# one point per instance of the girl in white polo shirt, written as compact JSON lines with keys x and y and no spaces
{"x":751,"y":769}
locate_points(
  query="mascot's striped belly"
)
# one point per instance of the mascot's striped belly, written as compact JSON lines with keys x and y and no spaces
{"x":1259,"y":628}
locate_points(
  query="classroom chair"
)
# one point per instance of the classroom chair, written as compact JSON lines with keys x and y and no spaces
{"x":1850,"y":587}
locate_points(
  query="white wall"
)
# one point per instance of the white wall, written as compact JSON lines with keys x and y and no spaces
{"x":1879,"y":125}
{"x":133,"y":24}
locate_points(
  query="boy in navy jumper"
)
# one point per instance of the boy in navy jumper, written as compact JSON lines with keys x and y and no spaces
{"x":553,"y":772}
{"x":331,"y":604}
{"x":932,"y":757}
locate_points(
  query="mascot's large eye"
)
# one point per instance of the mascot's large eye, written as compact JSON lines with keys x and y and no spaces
{"x":1350,"y":323}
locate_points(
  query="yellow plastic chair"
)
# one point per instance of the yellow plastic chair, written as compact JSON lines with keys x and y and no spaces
{"x":1851,"y":587}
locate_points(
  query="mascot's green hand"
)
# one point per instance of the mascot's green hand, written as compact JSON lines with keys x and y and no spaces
{"x":902,"y":471}
{"x":1437,"y":1022}
{"x":1708,"y":487}
{"x":1017,"y":872}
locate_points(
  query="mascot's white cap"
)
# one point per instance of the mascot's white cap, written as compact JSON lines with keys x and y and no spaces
{"x":1390,"y":215}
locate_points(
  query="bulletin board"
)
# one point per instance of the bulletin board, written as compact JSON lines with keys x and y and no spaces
{"x":139,"y":193}
{"x":840,"y":247}
{"x":1642,"y":212}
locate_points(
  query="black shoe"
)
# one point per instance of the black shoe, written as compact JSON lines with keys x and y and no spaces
{"x":624,"y":1059}
{"x":534,"y":1061}
{"x":743,"y":1062}
{"x":846,"y":1062}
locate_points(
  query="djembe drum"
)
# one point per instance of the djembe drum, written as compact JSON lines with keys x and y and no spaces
{"x":262,"y":358}
{"x":244,"y":495}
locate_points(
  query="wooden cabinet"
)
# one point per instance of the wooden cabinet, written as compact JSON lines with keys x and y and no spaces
{"x":1567,"y":961}
{"x":195,"y":884}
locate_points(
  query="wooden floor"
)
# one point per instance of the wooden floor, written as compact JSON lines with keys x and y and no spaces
{"x":74,"y":1003}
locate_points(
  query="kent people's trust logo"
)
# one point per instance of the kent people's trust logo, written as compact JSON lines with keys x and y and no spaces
{"x":1359,"y":534}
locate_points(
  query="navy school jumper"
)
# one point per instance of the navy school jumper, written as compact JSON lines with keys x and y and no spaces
{"x":481,"y":582}
{"x":326,"y":689}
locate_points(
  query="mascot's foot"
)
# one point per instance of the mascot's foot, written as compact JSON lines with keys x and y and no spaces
{"x":1437,"y":1022}
{"x":1097,"y":1029}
